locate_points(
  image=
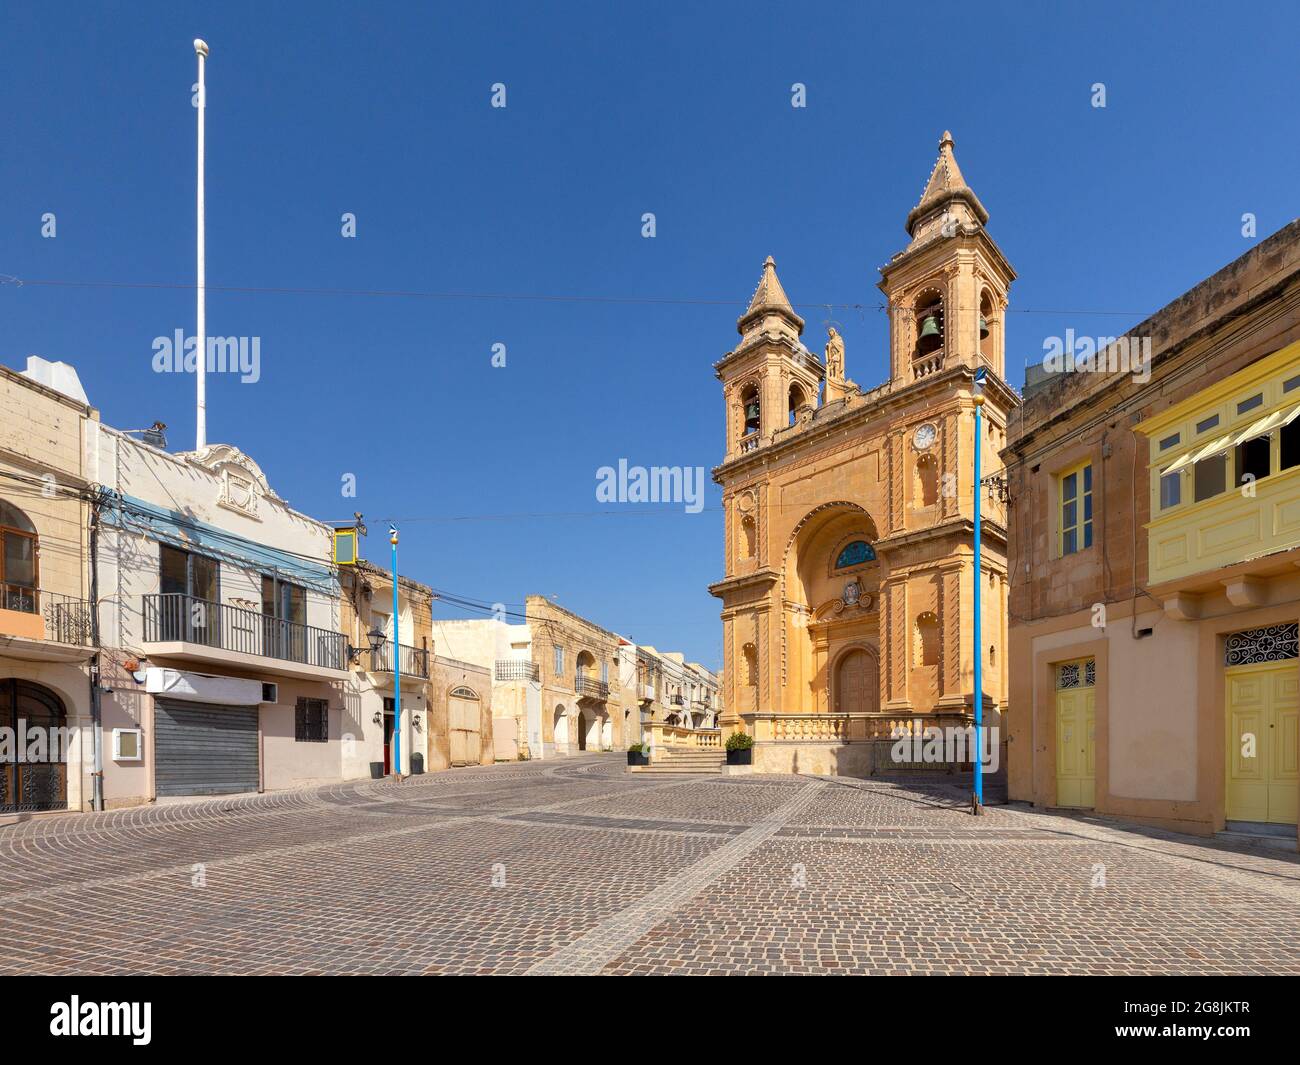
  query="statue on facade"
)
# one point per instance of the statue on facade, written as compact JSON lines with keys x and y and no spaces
{"x":834,"y":355}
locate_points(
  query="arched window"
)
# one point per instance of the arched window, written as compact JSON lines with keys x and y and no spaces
{"x":748,"y":537}
{"x":987,"y":343}
{"x":463,"y":693}
{"x":854,"y":554}
{"x":929,"y":324}
{"x":751,"y":410}
{"x":927,"y":481}
{"x":18,"y":569}
{"x":750,"y":653}
{"x":797,"y":400}
{"x":927,"y":640}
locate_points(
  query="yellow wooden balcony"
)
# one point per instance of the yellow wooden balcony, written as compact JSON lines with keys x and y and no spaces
{"x":1225,"y":472}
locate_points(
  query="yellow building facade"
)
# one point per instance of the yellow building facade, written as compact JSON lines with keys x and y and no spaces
{"x":847,"y":602}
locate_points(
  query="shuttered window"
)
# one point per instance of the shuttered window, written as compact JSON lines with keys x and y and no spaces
{"x":311,"y":721}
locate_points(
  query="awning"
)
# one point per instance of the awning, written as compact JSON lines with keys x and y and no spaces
{"x":1267,"y":424}
{"x":1214,"y":447}
{"x":1260,"y":427}
{"x":196,"y":687}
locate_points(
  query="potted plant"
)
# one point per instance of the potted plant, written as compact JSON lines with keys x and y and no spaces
{"x":740,"y":749}
{"x":636,"y":755}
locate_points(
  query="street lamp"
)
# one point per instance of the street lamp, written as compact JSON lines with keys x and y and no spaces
{"x":397,"y":667}
{"x":376,"y":636}
{"x":977,"y":796}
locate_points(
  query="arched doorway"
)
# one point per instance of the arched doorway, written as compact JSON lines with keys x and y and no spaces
{"x":40,"y":783}
{"x":855,"y":686}
{"x":582,"y":731}
{"x":561,"y":730}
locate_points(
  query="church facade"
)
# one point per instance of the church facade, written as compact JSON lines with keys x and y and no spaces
{"x":848,"y":602}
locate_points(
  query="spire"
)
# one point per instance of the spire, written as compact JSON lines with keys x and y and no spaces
{"x":946,"y":186}
{"x":769,"y":298}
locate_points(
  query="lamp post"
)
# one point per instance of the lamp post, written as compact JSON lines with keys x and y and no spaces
{"x":397,"y":666}
{"x":977,"y":797}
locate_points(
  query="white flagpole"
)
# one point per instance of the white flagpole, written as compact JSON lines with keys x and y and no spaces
{"x":201,"y":325}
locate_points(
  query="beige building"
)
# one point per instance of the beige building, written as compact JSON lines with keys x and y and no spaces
{"x":504,"y":652}
{"x":46,"y":647}
{"x":587,"y":702}
{"x":1155,"y":535}
{"x":847,"y":597}
{"x":446,"y":704}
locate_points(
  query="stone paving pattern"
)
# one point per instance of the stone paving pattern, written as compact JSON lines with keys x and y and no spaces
{"x":574,"y":866}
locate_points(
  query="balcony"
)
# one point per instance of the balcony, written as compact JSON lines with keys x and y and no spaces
{"x":202,"y":631}
{"x":678,"y":699}
{"x":43,"y":625}
{"x":517,"y":669}
{"x":589,"y":687}
{"x":749,"y":443}
{"x":413,"y":660}
{"x":647,"y":693}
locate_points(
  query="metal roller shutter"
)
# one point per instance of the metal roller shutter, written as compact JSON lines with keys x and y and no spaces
{"x":204,"y":750}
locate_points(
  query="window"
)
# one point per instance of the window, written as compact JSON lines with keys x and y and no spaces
{"x":1208,"y":423}
{"x":1253,"y":458}
{"x":1291,"y":383}
{"x":1210,"y":476}
{"x":1289,"y":445}
{"x":855,"y":554}
{"x":1171,"y":489}
{"x":311,"y":721}
{"x":284,"y":610}
{"x":127,"y":745}
{"x":17,"y":560}
{"x":1076,"y":510}
{"x":559,"y":660}
{"x":604,"y":673}
{"x":1170,"y":441}
{"x":1251,"y":403}
{"x":190,"y":609}
{"x":926,"y":649}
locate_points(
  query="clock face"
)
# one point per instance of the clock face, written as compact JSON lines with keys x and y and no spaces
{"x":923,"y":437}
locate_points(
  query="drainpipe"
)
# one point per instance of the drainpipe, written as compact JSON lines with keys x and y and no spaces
{"x":96,"y":715}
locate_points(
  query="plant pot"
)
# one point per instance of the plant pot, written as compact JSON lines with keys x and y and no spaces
{"x":376,"y":770}
{"x":741,"y":756}
{"x":637,"y":758}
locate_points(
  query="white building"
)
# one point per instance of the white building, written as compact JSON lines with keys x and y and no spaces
{"x":220,"y":619}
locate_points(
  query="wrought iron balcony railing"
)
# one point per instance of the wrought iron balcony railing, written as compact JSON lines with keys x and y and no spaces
{"x":517,"y":669}
{"x":678,"y":699}
{"x":67,"y":619}
{"x":172,"y":617}
{"x":591,"y":687}
{"x":414,"y":660}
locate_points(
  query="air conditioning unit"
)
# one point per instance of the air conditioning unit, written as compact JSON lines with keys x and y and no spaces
{"x":270,"y":692}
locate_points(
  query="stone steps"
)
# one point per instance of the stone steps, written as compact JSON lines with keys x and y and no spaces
{"x":683,"y":760}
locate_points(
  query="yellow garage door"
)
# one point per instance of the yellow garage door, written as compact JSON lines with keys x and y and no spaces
{"x":1076,"y":734}
{"x":1263,"y":743}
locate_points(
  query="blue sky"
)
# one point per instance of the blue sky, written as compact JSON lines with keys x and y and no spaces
{"x":612,"y":111}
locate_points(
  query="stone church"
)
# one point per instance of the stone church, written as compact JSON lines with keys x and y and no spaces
{"x":847,"y":604}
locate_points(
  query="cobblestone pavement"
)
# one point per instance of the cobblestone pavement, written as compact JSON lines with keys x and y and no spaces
{"x":574,"y":866}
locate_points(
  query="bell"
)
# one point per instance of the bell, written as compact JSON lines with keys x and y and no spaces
{"x":929,"y":326}
{"x":751,"y":412}
{"x":984,"y":328}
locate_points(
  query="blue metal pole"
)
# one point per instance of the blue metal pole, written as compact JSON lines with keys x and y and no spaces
{"x":397,"y":666}
{"x":978,"y":656}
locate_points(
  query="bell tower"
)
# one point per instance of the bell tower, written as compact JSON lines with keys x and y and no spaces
{"x":947,"y":289}
{"x":770,"y":380}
